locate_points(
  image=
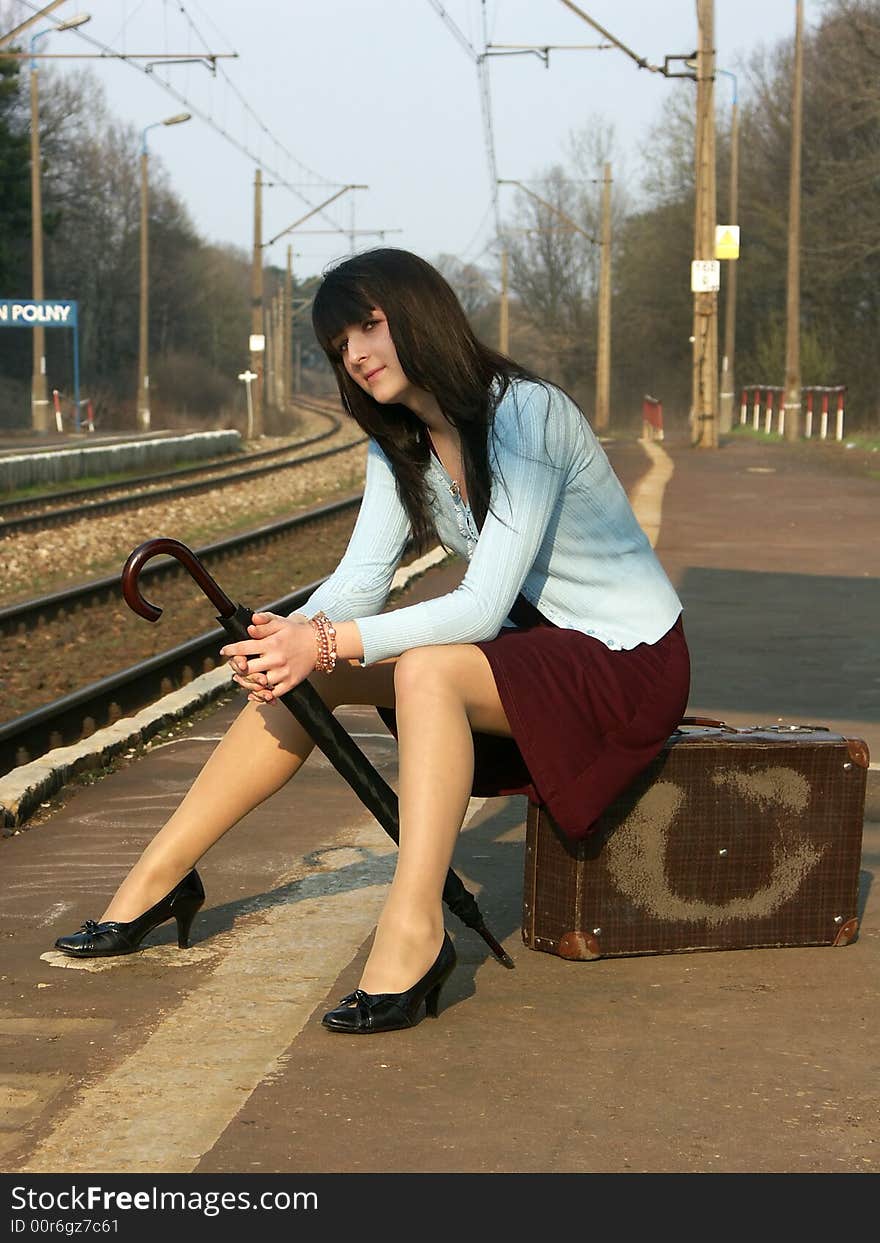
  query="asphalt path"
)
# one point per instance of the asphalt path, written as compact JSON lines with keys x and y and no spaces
{"x":213,"y":1061}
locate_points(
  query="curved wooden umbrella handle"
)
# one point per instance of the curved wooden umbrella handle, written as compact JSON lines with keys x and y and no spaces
{"x":173,"y":548}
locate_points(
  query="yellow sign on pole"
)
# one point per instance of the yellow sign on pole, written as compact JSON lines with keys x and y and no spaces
{"x":727,"y":241}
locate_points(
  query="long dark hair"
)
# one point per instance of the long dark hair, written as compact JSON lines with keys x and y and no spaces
{"x":438,"y":352}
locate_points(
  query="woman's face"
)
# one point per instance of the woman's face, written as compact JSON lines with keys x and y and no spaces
{"x":369,"y":357}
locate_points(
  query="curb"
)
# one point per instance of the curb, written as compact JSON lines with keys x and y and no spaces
{"x":22,"y":790}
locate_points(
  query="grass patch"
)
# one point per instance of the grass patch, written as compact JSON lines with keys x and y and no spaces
{"x":870,"y":442}
{"x":745,"y":431}
{"x":867,"y":442}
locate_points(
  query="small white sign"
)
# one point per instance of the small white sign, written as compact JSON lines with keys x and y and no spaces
{"x":256,"y":342}
{"x":705,"y":276}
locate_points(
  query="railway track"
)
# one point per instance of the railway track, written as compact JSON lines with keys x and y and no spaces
{"x":207,"y":477}
{"x":80,"y":713}
{"x":22,"y":617}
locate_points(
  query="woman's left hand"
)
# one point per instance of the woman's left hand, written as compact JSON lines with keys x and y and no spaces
{"x":280,"y":654}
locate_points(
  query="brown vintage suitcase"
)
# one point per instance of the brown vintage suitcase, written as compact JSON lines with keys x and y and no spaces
{"x":731,"y":838}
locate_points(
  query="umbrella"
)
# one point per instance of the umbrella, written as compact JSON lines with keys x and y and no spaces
{"x":312,"y":714}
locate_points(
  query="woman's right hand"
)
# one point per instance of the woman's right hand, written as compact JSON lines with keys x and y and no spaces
{"x":280,"y":654}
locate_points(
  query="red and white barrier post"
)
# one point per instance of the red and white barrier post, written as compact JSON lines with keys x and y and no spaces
{"x":808,"y":421}
{"x":652,"y":418}
{"x":839,"y":430}
{"x":823,"y":421}
{"x":756,"y":410}
{"x":744,"y":406}
{"x":56,"y":398}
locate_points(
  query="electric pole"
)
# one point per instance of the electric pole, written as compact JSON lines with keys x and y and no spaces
{"x":258,"y":337}
{"x":603,"y":344}
{"x":792,"y":400}
{"x":504,"y":310}
{"x":728,"y":392}
{"x":279,"y":347}
{"x":705,"y":286}
{"x":39,"y":395}
{"x":143,"y":390}
{"x":288,"y":328}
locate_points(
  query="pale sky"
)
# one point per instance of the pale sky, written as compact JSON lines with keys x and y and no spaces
{"x":381,"y":92}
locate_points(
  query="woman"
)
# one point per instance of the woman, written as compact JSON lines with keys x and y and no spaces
{"x":557,"y":668}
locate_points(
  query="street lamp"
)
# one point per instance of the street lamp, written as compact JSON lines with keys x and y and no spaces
{"x":143,"y":396}
{"x":39,"y":394}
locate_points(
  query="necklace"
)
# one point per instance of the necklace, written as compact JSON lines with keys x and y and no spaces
{"x":453,"y":485}
{"x":462,"y":510}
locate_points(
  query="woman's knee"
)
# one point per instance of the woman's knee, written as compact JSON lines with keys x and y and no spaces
{"x":453,"y":672}
{"x":423,"y":670}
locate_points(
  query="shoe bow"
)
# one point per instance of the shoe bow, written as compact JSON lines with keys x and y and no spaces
{"x":353,"y":999}
{"x":93,"y":928}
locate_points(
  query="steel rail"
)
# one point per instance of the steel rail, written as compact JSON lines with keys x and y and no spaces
{"x":18,"y":618}
{"x":79,"y":714}
{"x":60,"y":516}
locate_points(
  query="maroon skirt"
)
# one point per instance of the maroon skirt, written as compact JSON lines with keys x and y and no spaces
{"x":585,"y":720}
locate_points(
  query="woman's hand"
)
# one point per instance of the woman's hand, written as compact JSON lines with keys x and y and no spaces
{"x":280,"y":654}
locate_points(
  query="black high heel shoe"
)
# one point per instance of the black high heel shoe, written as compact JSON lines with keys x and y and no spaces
{"x":362,"y":1013}
{"x":95,"y":940}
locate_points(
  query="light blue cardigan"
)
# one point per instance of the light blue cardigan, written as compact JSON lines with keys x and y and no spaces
{"x":560,"y":530}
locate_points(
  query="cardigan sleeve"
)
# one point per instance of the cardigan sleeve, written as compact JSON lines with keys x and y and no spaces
{"x":359,"y":585}
{"x":532,"y":442}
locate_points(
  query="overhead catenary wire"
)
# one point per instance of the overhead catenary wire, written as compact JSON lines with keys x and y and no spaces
{"x":195,"y":110}
{"x":479,"y":59}
{"x":458,"y":34}
{"x":244,"y":103}
{"x":486,"y":101}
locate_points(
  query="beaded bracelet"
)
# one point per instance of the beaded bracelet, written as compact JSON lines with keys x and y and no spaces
{"x":326,"y":635}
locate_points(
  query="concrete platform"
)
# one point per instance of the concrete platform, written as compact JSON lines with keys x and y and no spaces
{"x":213,"y":1061}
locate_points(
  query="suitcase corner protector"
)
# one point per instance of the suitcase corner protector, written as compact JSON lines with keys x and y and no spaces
{"x":858,"y":752}
{"x":846,"y":932}
{"x":579,"y":946}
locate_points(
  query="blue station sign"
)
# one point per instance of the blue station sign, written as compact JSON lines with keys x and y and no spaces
{"x":19,"y":313}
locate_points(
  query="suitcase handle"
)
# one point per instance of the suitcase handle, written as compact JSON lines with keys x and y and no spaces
{"x":733,"y":729}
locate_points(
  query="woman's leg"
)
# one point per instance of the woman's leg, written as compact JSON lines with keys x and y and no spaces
{"x":262,"y":749}
{"x":443,"y":694}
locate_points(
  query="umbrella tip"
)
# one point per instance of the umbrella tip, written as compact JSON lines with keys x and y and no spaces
{"x":495,"y":946}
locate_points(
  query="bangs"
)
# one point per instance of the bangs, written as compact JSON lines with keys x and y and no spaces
{"x":340,"y":301}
